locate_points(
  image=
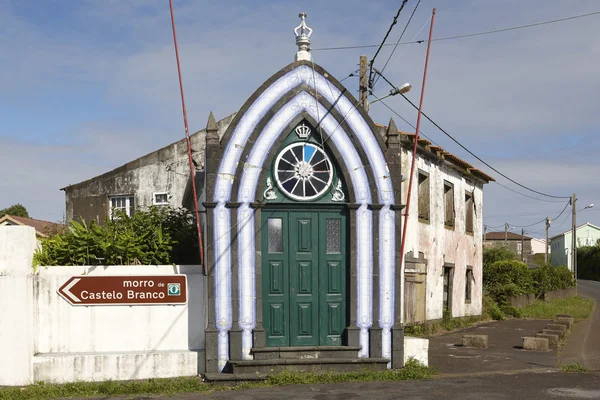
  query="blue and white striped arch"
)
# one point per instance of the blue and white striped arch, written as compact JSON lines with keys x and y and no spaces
{"x":302,"y":102}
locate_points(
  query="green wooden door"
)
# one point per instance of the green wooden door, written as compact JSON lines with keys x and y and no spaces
{"x":304,"y":277}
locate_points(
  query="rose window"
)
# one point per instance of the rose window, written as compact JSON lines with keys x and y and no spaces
{"x":303,"y":171}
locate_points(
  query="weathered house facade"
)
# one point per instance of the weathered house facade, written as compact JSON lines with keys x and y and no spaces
{"x":520,"y":245}
{"x":303,"y":197}
{"x":443,"y":267}
{"x":158,"y":178}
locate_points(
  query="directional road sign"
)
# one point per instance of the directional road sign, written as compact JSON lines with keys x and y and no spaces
{"x":125,"y":290}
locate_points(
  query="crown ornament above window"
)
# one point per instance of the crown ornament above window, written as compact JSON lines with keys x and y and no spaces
{"x":303,"y":33}
{"x":303,"y":131}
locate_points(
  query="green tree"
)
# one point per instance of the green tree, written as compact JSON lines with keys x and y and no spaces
{"x":18,"y":210}
{"x":493,"y":254}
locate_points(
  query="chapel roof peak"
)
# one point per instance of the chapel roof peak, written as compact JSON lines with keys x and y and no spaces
{"x":303,"y":33}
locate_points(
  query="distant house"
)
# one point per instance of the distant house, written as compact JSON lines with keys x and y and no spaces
{"x":42,"y":228}
{"x":538,"y":246}
{"x":520,"y":245}
{"x":587,"y":235}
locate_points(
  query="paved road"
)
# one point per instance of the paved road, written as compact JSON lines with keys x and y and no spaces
{"x":504,"y":351}
{"x":584,"y":343}
{"x":530,"y":386}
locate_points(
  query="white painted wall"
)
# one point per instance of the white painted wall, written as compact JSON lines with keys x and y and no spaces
{"x":441,"y":245}
{"x":538,"y":246}
{"x":17,"y":244}
{"x":416,"y":348}
{"x":587,"y":235}
{"x":54,"y":341}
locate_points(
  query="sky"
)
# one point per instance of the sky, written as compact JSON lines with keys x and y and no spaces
{"x":88,"y":85}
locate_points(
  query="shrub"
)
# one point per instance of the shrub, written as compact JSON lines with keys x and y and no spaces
{"x":588,"y":262}
{"x":158,"y":235}
{"x":502,"y":279}
{"x":491,"y":309}
{"x":494,"y":254}
{"x":548,"y":277}
{"x":511,"y":311}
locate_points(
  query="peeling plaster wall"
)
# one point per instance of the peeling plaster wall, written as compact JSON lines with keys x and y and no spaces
{"x":165,"y":170}
{"x":441,"y":245}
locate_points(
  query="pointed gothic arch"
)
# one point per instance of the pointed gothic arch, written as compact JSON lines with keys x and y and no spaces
{"x":300,"y":90}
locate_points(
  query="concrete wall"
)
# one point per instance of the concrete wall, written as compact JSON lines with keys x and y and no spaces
{"x":17,"y":244}
{"x":163,"y":171}
{"x":559,"y":294}
{"x":47,"y":339}
{"x":441,"y":245}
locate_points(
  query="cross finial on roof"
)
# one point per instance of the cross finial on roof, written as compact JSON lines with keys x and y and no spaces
{"x":303,"y":33}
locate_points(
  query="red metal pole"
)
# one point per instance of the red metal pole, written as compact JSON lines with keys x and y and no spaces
{"x":189,"y":145}
{"x":412,"y":166}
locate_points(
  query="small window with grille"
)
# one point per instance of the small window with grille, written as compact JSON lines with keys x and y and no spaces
{"x":161,"y":199}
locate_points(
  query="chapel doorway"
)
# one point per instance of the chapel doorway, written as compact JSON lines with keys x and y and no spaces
{"x":304,"y":276}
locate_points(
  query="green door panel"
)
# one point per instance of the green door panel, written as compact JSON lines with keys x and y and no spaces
{"x":275,"y":276}
{"x":304,"y":277}
{"x":332,"y":277}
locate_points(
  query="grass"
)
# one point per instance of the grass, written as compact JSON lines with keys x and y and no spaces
{"x":575,"y":367}
{"x":103,"y":389}
{"x":446,"y":324}
{"x":412,"y":371}
{"x":577,"y":306}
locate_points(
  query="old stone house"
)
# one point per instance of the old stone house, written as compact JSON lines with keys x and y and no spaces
{"x":520,"y":245}
{"x":303,"y":198}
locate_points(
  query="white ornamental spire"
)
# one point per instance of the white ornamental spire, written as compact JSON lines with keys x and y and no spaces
{"x":303,"y":33}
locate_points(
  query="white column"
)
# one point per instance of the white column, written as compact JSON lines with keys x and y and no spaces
{"x":17,"y":245}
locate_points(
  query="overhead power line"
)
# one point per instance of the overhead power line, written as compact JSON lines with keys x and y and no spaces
{"x":383,"y":41}
{"x":526,"y":195}
{"x":400,"y":38}
{"x":432,"y":141}
{"x":478,"y":158}
{"x":405,"y":120}
{"x":538,"y":222}
{"x":512,"y":28}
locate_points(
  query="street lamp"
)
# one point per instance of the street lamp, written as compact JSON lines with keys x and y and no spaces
{"x":395,"y":91}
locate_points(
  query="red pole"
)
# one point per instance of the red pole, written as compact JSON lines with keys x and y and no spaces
{"x":189,"y":145}
{"x":412,"y":166}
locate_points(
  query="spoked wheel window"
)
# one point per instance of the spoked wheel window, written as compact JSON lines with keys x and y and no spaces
{"x":303,"y":171}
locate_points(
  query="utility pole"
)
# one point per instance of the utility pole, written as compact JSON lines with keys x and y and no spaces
{"x":484,"y":232}
{"x":574,"y":239}
{"x":547,"y":227}
{"x":506,"y":234}
{"x":363,"y":88}
{"x":522,"y":247}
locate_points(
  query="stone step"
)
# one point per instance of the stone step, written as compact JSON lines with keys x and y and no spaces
{"x":309,"y":364}
{"x":234,"y":379}
{"x":305,"y":352}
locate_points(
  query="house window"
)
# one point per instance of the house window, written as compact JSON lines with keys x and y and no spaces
{"x":469,"y":211}
{"x":161,"y":199}
{"x":448,"y":204}
{"x":423,"y":196}
{"x":469,"y":284}
{"x":125,"y":203}
{"x":519,"y":248}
